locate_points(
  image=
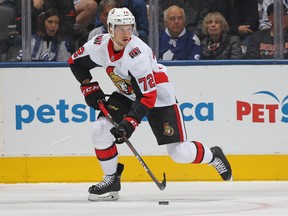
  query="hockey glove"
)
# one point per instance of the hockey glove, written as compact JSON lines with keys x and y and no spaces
{"x":124,"y":129}
{"x":92,"y":93}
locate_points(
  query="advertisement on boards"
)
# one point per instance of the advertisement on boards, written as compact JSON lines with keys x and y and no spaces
{"x":241,"y":108}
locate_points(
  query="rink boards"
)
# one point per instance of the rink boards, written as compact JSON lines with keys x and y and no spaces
{"x":45,"y":130}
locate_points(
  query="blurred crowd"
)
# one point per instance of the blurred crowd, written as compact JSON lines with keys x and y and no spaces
{"x":188,"y":29}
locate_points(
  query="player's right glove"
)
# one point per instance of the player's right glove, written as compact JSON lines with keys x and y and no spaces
{"x":125,"y":128}
{"x":92,"y":93}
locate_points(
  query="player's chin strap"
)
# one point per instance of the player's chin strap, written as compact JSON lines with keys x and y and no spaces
{"x":161,"y":185}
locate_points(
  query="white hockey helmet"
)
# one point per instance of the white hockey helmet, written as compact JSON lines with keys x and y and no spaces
{"x":119,"y":16}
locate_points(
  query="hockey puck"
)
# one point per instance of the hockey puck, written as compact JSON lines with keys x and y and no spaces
{"x":163,"y":202}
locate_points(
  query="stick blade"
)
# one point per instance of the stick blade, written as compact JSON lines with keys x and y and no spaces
{"x":162,"y":185}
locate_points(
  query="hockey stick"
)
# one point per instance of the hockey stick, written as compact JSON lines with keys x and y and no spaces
{"x":161,"y":185}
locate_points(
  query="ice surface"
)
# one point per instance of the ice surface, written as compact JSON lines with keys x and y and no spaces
{"x":138,"y":199}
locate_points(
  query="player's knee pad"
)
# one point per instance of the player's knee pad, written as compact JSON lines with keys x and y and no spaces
{"x":101,"y":136}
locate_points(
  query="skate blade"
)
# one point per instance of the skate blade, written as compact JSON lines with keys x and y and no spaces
{"x":110,"y":196}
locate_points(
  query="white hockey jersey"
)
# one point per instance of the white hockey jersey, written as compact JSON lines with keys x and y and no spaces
{"x":134,"y":70}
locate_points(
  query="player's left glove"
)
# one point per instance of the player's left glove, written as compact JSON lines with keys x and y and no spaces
{"x":124,"y":129}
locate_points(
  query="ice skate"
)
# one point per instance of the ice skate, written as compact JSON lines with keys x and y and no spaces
{"x":221,"y":164}
{"x":107,"y":190}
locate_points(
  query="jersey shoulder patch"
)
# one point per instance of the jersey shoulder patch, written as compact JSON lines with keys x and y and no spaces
{"x":98,"y":39}
{"x":134,"y":52}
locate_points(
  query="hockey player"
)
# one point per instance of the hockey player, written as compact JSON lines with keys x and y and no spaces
{"x":143,"y":89}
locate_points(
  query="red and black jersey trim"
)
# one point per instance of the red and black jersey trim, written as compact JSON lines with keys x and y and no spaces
{"x":107,"y":154}
{"x":179,"y":123}
{"x":114,"y":56}
{"x":199,"y":153}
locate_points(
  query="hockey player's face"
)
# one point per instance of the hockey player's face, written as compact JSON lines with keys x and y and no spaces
{"x":122,"y":34}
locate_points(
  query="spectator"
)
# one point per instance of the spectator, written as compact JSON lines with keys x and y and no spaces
{"x":104,"y":7}
{"x":263,"y":17}
{"x":139,"y":10}
{"x":246,"y":17}
{"x":195,"y":11}
{"x":242,"y":17}
{"x":261,"y":45}
{"x":48,"y":43}
{"x":7,"y":18}
{"x":85,"y":13}
{"x":65,"y":8}
{"x":218,"y":44}
{"x":176,"y":42}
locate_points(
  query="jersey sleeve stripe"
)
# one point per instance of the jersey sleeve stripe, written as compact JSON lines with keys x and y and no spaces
{"x":149,"y":99}
{"x":160,"y":77}
{"x":70,"y":61}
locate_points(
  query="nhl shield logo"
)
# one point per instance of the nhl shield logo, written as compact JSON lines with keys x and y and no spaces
{"x":168,"y":130}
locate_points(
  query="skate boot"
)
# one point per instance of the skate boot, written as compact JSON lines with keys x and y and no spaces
{"x":107,"y":190}
{"x":221,"y":164}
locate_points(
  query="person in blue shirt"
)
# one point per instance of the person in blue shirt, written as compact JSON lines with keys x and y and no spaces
{"x":175,"y":41}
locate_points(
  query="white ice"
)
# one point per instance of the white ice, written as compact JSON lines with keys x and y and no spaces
{"x":138,"y":199}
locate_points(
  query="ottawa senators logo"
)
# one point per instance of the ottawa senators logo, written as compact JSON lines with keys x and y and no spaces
{"x":136,"y":51}
{"x":122,"y":84}
{"x":168,"y":130}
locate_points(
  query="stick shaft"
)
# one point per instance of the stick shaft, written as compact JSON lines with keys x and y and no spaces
{"x":161,"y":185}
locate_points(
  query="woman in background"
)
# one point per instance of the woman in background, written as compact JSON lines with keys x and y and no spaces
{"x":48,"y":44}
{"x":218,"y":44}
